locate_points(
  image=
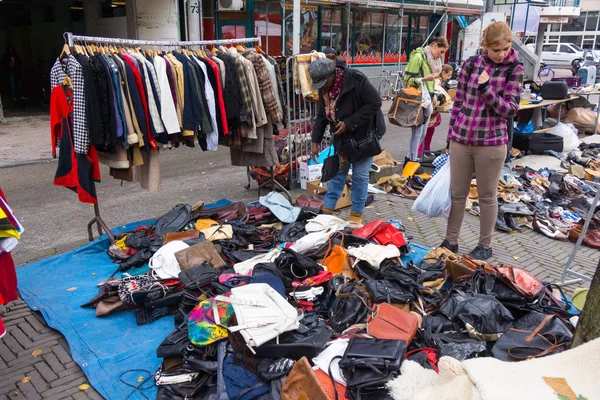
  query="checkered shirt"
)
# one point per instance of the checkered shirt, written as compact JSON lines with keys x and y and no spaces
{"x":81,"y":134}
{"x":266,"y":88}
{"x":480,"y":112}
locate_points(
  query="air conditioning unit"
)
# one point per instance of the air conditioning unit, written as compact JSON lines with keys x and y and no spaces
{"x":230,"y":5}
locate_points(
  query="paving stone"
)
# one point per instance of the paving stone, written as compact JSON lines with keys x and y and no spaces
{"x":46,"y":371}
{"x":70,"y":371}
{"x":64,"y":391}
{"x":80,"y":396}
{"x":54,"y":363}
{"x":14,"y":376}
{"x":37,"y":381}
{"x":28,"y":391}
{"x":28,"y":330}
{"x":69,"y":378}
{"x":5,"y":352}
{"x":35,"y":323}
{"x":20,"y":337}
{"x":63,"y":356}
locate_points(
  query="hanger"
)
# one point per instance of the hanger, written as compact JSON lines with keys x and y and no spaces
{"x":240,"y":48}
{"x":257,"y":48}
{"x":66,"y":51}
{"x":67,"y":81}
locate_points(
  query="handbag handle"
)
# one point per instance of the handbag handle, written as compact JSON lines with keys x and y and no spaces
{"x":541,"y":326}
{"x":330,"y":247}
{"x":542,"y":353}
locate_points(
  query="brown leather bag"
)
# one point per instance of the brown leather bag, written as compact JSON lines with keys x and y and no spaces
{"x":407,"y":109}
{"x":302,"y":383}
{"x":310,"y":201}
{"x":201,"y":253}
{"x":391,"y":323}
{"x":521,"y":281}
{"x":232,"y":212}
{"x":183,"y":236}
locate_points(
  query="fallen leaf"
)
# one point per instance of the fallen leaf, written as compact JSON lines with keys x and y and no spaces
{"x":182,"y":197}
{"x":516,"y":257}
{"x":210,"y":163}
{"x":36,"y":353}
{"x":389,"y":203}
{"x":368,"y":207}
{"x":378,"y":214}
{"x":410,"y":219}
{"x":85,"y":386}
{"x":16,"y":394}
{"x":141,"y":378}
{"x":72,"y":289}
{"x":26,"y":379}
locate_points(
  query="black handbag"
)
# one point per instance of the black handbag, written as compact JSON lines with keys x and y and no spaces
{"x":391,"y":291}
{"x":384,"y":355}
{"x":367,"y":146}
{"x":174,"y":220}
{"x":198,"y":277}
{"x":306,"y":341}
{"x":331,"y":166}
{"x":296,"y":266}
{"x":533,"y":336}
{"x":349,"y":307}
{"x":555,"y":90}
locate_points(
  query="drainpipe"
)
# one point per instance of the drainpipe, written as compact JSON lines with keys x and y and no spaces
{"x":296,"y":28}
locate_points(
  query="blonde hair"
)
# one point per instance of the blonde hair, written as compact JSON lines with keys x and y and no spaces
{"x":446,"y":68}
{"x":496,"y":32}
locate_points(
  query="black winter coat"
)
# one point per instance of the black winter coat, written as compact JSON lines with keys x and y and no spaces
{"x":358,"y":106}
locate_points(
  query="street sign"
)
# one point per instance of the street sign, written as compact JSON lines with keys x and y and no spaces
{"x":555,"y":20}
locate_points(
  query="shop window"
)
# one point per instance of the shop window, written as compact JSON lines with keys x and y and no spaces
{"x":395,"y":47}
{"x":368,"y":37}
{"x":591,"y":24}
{"x":112,"y":8}
{"x":267,"y":25}
{"x":420,"y":30}
{"x":576,"y":25}
{"x":309,"y":28}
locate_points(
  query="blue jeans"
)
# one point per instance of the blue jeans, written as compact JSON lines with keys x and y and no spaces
{"x":360,"y":185}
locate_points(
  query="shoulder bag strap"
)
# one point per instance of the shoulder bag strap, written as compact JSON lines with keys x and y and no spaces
{"x":541,"y":326}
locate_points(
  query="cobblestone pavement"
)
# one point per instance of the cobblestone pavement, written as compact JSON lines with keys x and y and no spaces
{"x":25,"y":140}
{"x":54,"y":375}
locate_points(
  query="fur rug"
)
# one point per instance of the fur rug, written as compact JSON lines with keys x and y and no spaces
{"x":571,"y":375}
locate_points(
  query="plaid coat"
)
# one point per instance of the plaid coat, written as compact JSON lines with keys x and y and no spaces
{"x":480,"y":112}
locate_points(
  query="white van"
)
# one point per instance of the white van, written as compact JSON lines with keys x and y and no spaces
{"x":560,"y":53}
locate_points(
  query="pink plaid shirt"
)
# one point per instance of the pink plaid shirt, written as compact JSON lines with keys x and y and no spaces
{"x":480,"y":112}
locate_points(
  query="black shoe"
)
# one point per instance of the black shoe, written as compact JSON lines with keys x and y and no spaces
{"x":452,"y":247}
{"x":481,"y":252}
{"x":501,"y":225}
{"x":510,"y":222}
{"x":406,"y":161}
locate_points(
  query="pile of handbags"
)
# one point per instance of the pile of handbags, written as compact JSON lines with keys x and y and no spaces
{"x":316,"y":309}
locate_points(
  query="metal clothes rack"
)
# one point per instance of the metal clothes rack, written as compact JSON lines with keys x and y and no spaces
{"x":567,"y":269}
{"x":70,"y":39}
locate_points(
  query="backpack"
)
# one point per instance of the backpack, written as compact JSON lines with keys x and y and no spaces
{"x":511,"y":121}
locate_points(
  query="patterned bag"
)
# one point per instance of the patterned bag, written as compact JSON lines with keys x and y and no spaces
{"x":407,"y":109}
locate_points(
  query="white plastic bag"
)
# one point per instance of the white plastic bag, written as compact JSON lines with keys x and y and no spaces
{"x":435,"y":199}
{"x":426,"y":98}
{"x":569,"y":134}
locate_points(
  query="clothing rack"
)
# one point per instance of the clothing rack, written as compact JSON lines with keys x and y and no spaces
{"x":70,"y":40}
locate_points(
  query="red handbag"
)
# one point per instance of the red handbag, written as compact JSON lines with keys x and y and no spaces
{"x":425,"y":356}
{"x":369,"y":230}
{"x":382,"y":233}
{"x":390,"y":235}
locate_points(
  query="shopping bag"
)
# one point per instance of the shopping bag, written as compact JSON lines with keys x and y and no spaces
{"x":435,"y":199}
{"x":427,"y":103}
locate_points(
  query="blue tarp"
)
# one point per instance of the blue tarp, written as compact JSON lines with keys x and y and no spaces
{"x":105,"y":347}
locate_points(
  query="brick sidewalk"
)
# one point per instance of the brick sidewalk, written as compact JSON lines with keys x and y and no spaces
{"x":54,"y":375}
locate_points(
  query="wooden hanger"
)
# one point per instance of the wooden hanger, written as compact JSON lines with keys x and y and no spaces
{"x":67,"y":81}
{"x":257,"y":48}
{"x":240,"y":48}
{"x":66,"y":51}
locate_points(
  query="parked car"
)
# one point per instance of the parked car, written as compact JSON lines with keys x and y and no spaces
{"x":561,"y":53}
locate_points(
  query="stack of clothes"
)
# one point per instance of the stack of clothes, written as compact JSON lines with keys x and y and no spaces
{"x":279,"y":301}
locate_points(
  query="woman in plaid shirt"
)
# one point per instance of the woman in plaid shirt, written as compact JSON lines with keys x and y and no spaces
{"x":486,"y":98}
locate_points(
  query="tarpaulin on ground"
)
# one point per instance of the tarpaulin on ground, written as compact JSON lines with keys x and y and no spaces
{"x":105,"y":347}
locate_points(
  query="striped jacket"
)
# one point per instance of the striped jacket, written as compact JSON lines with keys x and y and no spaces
{"x":480,"y":112}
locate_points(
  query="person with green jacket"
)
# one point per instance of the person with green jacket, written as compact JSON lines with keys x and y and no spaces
{"x":424,"y":66}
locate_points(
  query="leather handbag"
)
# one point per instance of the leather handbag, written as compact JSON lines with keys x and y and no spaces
{"x":384,"y":355}
{"x":387,"y":234}
{"x":183,"y":236}
{"x":302,"y":383}
{"x":407,"y":109}
{"x":258,"y":214}
{"x":296,"y":266}
{"x":336,"y":259}
{"x":369,"y":230}
{"x":521,"y":281}
{"x":231,"y":212}
{"x":349,"y":307}
{"x":198,"y":254}
{"x":313,"y":201}
{"x":391,"y":291}
{"x":555,"y":90}
{"x":551,"y":335}
{"x":262,"y":313}
{"x":174,"y":220}
{"x":389,"y":322}
{"x":198,"y":277}
{"x":331,"y":166}
{"x":367,"y":146}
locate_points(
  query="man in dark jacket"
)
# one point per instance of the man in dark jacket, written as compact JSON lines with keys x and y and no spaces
{"x":351,"y":107}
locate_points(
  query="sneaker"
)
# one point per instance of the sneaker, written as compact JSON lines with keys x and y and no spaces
{"x":452,"y":247}
{"x":481,"y":252}
{"x":2,"y":329}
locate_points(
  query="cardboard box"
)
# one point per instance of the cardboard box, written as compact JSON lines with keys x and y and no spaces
{"x":309,"y":173}
{"x":314,"y":187}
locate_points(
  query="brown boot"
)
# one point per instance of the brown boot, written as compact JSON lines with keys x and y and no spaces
{"x":356,"y":217}
{"x":326,"y":210}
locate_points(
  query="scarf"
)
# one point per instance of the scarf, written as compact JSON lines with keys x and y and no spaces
{"x":434,"y":64}
{"x":330,"y":99}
